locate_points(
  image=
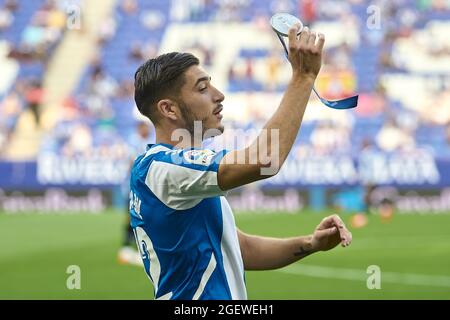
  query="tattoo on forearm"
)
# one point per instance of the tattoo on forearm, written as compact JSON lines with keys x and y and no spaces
{"x":302,"y":253}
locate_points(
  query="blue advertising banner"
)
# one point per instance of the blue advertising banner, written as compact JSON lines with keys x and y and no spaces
{"x":70,"y":173}
{"x":419,"y":170}
{"x":374,"y":168}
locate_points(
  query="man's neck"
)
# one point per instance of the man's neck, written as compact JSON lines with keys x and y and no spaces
{"x":165,"y":136}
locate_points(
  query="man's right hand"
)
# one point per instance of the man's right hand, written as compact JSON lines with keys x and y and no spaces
{"x":269,"y":152}
{"x":305,"y":53}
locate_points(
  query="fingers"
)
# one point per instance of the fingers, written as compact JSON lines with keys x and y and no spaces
{"x":308,"y":38}
{"x":292,"y":35}
{"x":349,"y":239}
{"x":344,"y":233}
{"x":326,"y":223}
{"x":304,"y":38}
{"x":346,"y":236}
{"x":312,"y":46}
{"x":320,"y":42}
{"x":312,"y":40}
{"x":304,"y":53}
{"x":326,"y":232}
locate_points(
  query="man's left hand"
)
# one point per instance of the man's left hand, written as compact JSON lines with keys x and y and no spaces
{"x":329,"y":233}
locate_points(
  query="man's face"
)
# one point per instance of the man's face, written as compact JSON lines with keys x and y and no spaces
{"x":200,"y":101}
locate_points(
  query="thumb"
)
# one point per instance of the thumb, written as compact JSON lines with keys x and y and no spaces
{"x":326,"y":232}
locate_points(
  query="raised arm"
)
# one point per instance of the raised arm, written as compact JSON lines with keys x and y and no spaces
{"x":265,"y":156}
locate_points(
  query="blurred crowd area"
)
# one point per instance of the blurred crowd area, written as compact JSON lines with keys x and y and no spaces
{"x":394,"y":54}
{"x":29,"y":33}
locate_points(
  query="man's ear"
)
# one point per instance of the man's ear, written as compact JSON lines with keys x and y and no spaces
{"x":168,"y":109}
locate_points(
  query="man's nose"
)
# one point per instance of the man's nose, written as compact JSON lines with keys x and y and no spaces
{"x":219,"y":96}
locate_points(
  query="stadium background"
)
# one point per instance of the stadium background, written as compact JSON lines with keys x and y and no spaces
{"x":68,"y":127}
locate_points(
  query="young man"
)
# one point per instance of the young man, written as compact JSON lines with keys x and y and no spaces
{"x":184,"y":227}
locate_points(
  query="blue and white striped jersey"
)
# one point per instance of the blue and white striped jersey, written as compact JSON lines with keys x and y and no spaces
{"x":184,"y":226}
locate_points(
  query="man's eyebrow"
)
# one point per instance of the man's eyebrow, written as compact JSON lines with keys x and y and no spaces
{"x":206,"y":78}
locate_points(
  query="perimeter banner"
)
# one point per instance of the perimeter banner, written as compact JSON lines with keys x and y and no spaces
{"x":419,"y":170}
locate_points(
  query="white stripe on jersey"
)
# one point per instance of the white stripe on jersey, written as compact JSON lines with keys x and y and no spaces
{"x":231,"y":253}
{"x":205,"y":277}
{"x":155,"y":266}
{"x":181,"y":188}
{"x":166,"y":296}
{"x":154,"y":150}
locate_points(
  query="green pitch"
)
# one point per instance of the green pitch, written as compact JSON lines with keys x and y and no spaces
{"x":412,"y":251}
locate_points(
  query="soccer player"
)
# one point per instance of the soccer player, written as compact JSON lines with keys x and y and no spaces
{"x":183,"y":224}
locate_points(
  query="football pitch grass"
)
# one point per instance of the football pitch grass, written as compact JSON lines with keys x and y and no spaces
{"x":412,"y":251}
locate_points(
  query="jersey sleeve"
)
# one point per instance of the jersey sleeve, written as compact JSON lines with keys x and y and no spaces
{"x":182,"y":178}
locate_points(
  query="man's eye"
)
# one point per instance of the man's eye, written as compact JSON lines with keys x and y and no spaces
{"x":203,"y":89}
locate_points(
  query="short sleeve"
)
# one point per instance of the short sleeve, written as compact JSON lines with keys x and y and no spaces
{"x":182,"y":178}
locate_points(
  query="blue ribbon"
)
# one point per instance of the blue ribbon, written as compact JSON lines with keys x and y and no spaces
{"x":346,"y":103}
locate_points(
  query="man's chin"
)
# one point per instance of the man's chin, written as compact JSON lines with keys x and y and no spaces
{"x":214,"y":132}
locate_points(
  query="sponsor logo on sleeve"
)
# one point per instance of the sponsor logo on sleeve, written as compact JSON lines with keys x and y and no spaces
{"x":202,"y":157}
